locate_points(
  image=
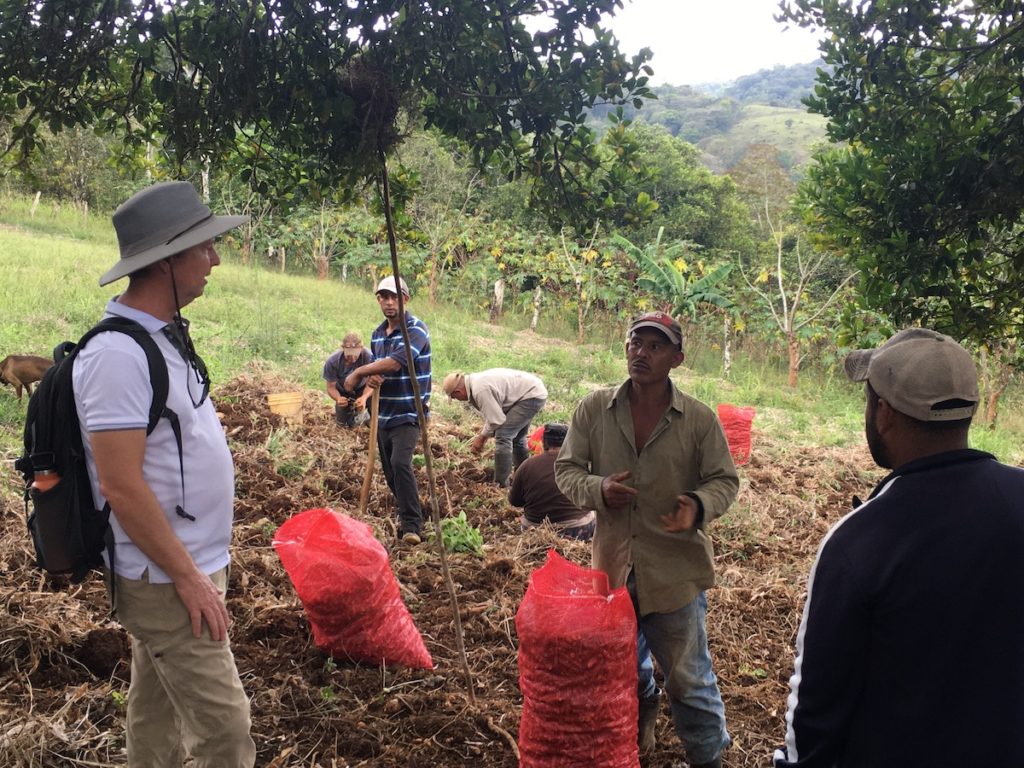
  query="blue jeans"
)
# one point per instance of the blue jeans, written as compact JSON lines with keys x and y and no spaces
{"x":510,"y":449}
{"x":679,"y":642}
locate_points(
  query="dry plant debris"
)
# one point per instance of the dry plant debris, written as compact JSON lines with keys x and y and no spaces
{"x":64,"y":663}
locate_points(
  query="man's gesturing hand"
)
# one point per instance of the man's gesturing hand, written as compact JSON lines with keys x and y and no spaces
{"x":615,"y":492}
{"x":683,"y":518}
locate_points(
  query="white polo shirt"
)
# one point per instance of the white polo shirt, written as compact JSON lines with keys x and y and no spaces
{"x":113,"y":392}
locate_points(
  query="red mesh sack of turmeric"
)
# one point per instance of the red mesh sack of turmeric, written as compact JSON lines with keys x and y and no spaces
{"x":736,"y":421}
{"x":577,"y":670}
{"x":535,"y":440}
{"x":342,"y":575}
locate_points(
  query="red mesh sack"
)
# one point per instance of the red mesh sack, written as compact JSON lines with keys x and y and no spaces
{"x":736,"y":422}
{"x":577,"y":670}
{"x":535,"y":440}
{"x":342,"y":575}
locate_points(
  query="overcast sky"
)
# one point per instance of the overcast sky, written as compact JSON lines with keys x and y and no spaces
{"x":705,"y":41}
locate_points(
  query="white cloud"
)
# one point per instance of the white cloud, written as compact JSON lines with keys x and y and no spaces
{"x":700,"y":41}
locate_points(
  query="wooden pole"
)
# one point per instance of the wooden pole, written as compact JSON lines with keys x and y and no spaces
{"x":371,"y":452}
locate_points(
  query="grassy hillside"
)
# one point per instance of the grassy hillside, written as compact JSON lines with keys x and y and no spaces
{"x":251,"y":317}
{"x":724,"y":119}
{"x":794,"y":131}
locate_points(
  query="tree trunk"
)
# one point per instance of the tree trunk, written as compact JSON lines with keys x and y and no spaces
{"x":992,"y":407}
{"x":433,"y":277}
{"x":323,"y":264}
{"x":537,"y":294}
{"x":498,"y":302}
{"x":205,"y":176}
{"x":726,"y":348}
{"x":793,"y":344}
{"x":996,"y":373}
{"x":246,"y":242}
{"x":994,"y":390}
{"x":35,"y":204}
{"x":579,"y":311}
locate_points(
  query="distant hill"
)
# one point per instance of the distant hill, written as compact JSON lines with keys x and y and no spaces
{"x":723,"y":119}
{"x":776,"y":87}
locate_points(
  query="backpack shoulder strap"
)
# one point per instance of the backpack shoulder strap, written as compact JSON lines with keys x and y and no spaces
{"x":158,"y":379}
{"x":154,"y":358}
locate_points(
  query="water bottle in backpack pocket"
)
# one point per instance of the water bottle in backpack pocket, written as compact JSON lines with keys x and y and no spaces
{"x":68,"y":532}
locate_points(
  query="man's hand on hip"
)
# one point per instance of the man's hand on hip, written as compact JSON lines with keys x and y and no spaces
{"x":204,"y":602}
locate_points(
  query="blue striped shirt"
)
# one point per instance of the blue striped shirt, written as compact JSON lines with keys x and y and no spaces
{"x":397,"y":405}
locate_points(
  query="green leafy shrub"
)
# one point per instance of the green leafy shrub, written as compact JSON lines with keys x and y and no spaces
{"x":459,"y":536}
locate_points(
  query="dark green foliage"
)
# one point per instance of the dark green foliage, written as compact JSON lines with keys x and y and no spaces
{"x":308,"y":97}
{"x":927,"y":199}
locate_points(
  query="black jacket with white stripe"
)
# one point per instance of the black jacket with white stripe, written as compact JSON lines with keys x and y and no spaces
{"x":911,"y":647}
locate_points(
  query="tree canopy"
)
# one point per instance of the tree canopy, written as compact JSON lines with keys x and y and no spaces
{"x":310,"y":93}
{"x":927,"y":195}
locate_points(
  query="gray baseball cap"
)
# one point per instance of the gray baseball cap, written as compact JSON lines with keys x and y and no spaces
{"x":917,"y":369}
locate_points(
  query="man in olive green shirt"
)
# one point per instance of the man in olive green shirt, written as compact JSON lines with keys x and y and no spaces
{"x":655,"y":464}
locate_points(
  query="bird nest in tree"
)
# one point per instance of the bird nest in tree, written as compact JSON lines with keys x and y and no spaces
{"x":376,"y":102}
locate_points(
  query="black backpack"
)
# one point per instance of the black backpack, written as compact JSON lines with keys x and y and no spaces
{"x":68,"y":532}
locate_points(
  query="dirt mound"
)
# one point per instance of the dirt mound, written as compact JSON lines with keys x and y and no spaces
{"x":64,"y":663}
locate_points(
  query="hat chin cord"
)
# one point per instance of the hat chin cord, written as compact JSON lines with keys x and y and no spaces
{"x":191,"y":356}
{"x":177,"y":304}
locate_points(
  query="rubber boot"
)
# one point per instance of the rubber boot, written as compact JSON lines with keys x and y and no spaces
{"x":647,"y":719}
{"x":716,"y":763}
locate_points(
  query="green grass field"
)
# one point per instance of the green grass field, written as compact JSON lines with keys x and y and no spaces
{"x":795,"y":132}
{"x":50,"y":263}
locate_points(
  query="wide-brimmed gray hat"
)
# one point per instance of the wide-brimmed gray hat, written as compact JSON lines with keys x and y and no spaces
{"x":159,"y":221}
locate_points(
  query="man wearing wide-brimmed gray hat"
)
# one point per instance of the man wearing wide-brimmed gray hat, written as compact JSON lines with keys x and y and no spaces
{"x":909,"y":652}
{"x":171,"y":490}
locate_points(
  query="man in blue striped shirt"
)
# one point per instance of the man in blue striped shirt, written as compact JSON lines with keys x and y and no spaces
{"x":398,"y":427}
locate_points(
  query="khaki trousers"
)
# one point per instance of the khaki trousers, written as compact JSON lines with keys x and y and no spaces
{"x":185,"y":695}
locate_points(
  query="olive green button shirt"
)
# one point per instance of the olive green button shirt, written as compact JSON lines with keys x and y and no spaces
{"x":686,"y":453}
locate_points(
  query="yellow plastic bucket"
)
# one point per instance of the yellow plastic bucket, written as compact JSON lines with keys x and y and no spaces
{"x":286,"y":404}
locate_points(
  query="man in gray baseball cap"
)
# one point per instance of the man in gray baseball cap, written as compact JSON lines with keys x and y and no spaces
{"x":170,"y":488}
{"x":909,"y":652}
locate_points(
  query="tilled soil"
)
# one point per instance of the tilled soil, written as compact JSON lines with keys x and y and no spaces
{"x":64,"y":665}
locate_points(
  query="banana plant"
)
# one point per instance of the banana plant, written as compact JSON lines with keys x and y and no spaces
{"x":666,"y":274}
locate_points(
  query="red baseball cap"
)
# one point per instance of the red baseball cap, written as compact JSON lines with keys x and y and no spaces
{"x":660,"y":321}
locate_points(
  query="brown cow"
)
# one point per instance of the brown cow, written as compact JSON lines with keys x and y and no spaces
{"x":21,"y":370}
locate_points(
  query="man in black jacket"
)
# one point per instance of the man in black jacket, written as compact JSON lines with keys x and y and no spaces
{"x":911,"y":647}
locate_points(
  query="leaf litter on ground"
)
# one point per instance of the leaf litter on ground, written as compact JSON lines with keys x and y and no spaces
{"x":64,"y":663}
